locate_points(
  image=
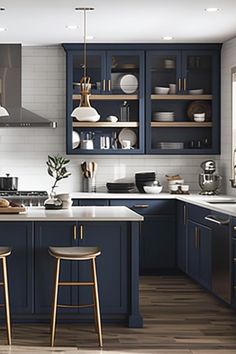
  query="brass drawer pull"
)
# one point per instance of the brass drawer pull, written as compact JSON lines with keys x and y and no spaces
{"x":140,"y":206}
{"x":81,"y":232}
{"x":74,"y":232}
{"x":185,"y":215}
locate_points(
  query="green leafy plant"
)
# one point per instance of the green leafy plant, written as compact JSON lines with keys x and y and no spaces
{"x":57,"y":169}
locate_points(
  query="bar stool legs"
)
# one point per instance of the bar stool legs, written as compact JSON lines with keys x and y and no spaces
{"x":78,"y":254}
{"x":54,"y":305}
{"x":96,"y":303}
{"x":4,"y":252}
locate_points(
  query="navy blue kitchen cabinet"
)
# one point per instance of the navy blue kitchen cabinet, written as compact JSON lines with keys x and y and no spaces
{"x":19,"y":236}
{"x":199,"y":261}
{"x":185,"y":67}
{"x":182,"y":235}
{"x":111,"y":68}
{"x":157,"y":234}
{"x":184,"y":71}
{"x":118,"y":285}
{"x":52,"y":234}
{"x":111,"y":237}
{"x":233,"y":265}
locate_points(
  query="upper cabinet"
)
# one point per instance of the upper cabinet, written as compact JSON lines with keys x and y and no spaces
{"x":117,"y":93}
{"x":165,"y":98}
{"x":182,"y":102}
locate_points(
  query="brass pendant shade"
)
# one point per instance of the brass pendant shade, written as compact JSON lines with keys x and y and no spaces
{"x":84,"y":112}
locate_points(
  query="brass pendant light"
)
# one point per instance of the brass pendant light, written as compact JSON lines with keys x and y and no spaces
{"x":85,"y":112}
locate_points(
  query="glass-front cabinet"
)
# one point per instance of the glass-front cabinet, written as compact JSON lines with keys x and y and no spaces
{"x":151,"y":98}
{"x":117,"y":93}
{"x":182,"y":116}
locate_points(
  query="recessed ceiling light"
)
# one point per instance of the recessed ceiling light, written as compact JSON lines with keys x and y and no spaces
{"x":167,"y":38}
{"x":71,"y":27}
{"x":2,"y":29}
{"x":212,"y":9}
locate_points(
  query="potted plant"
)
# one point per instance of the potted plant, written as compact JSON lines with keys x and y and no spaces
{"x":56,"y":169}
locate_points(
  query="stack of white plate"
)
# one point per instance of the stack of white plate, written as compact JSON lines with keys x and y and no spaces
{"x":170,"y":145}
{"x":163,"y":116}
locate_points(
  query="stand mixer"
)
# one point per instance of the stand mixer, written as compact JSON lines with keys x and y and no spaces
{"x":208,"y":181}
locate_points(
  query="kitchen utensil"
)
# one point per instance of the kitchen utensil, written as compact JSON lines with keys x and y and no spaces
{"x":129,"y":83}
{"x":199,"y":107}
{"x":75,"y":139}
{"x":127,"y":134}
{"x":209,"y":183}
{"x":8,"y":183}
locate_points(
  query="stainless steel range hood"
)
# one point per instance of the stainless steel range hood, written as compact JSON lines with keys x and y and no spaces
{"x":10,"y":91}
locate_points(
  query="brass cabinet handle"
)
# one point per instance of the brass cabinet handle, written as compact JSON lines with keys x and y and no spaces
{"x":214,"y":219}
{"x":140,"y":206}
{"x":81,"y":232}
{"x":74,"y":232}
{"x":179,"y":84}
{"x":185,"y":84}
{"x":109,"y":85}
{"x":104,"y":85}
{"x":185,"y":214}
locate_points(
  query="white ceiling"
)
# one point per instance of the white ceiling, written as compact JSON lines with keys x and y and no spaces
{"x":43,"y":22}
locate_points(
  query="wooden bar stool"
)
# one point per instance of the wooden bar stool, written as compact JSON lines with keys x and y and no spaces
{"x":4,"y":252}
{"x":78,"y":254}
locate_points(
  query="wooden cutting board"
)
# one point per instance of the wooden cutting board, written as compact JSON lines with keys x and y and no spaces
{"x":12,"y":210}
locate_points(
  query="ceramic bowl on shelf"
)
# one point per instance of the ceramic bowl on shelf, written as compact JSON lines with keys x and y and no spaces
{"x":196,"y":92}
{"x":161,"y":90}
{"x":152,"y":189}
{"x":199,"y":119}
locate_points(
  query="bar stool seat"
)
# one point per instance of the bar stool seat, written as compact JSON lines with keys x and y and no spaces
{"x":76,"y":254}
{"x":4,"y":252}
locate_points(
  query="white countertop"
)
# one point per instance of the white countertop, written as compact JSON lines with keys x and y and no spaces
{"x":87,"y":213}
{"x":196,"y":199}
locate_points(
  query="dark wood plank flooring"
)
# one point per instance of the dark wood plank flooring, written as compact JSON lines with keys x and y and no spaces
{"x":179,"y":317}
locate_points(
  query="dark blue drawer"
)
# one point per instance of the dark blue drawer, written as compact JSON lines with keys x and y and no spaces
{"x":147,"y":206}
{"x":91,"y":202}
{"x":198,"y":214}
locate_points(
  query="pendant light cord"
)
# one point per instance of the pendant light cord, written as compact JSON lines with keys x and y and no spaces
{"x":85,"y":46}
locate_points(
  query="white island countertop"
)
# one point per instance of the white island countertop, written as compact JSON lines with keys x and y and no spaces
{"x":85,"y":213}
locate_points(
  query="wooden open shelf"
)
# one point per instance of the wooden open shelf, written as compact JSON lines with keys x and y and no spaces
{"x":181,"y":97}
{"x":181,"y":125}
{"x":105,"y":125}
{"x":76,"y":97}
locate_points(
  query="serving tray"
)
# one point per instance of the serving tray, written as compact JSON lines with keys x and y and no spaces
{"x":12,"y":210}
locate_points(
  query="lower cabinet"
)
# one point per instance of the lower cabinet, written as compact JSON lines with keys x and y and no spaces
{"x":199,"y":260}
{"x":113,"y":240}
{"x":18,"y":236}
{"x":157,"y":236}
{"x":181,"y":242}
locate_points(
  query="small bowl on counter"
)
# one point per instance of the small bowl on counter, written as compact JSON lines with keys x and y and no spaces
{"x":152,"y":189}
{"x":196,"y":92}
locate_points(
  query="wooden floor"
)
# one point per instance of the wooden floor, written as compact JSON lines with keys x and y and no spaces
{"x":179,"y":318}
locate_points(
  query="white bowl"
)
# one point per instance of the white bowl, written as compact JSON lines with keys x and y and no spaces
{"x":65,"y":197}
{"x":161,"y":90}
{"x":199,"y":119}
{"x":152,"y":189}
{"x":185,"y":187}
{"x":196,"y":92}
{"x":199,"y":115}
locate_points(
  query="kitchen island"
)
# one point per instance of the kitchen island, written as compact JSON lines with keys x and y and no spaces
{"x":30,"y":267}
